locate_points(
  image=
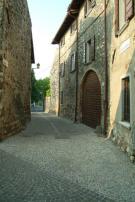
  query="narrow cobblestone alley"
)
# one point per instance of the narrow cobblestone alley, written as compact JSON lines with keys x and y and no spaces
{"x":56,"y":160}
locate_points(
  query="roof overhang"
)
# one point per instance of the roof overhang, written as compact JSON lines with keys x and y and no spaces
{"x":72,"y":13}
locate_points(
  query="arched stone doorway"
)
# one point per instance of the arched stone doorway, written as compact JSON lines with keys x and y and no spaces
{"x":91,"y":100}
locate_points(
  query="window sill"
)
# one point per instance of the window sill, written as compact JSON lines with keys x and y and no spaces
{"x":125,"y":124}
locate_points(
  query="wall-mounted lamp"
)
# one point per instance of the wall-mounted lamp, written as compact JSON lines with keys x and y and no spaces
{"x":37,"y":66}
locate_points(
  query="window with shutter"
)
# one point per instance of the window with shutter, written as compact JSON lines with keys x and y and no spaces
{"x":73,"y":62}
{"x":62,"y":42}
{"x":92,"y":54}
{"x":85,"y":9}
{"x":62,"y":69}
{"x":116,"y":17}
{"x":61,"y":97}
{"x":124,"y":11}
{"x":88,"y":47}
{"x":73,"y":27}
{"x":129,"y":9}
{"x":89,"y":51}
{"x":121,"y":13}
{"x":84,"y":52}
{"x":126,"y":99}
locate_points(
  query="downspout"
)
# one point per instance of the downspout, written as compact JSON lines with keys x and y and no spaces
{"x":72,"y":14}
{"x":106,"y":74}
{"x":2,"y":57}
{"x":59,"y":84}
{"x":77,"y":69}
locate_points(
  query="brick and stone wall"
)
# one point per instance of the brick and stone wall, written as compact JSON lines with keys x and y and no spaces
{"x":15,"y":66}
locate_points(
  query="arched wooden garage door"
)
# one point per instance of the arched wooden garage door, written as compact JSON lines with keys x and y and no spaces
{"x":91,"y":100}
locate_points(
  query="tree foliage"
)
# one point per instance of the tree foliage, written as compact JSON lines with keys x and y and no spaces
{"x":34,"y":91}
{"x":40,"y":88}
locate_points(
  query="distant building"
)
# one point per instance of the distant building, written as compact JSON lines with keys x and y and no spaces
{"x":16,"y":56}
{"x":97,"y":68}
{"x":54,"y":85}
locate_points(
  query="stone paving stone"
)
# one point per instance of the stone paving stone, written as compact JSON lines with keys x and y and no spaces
{"x":78,"y":166}
{"x":22,"y":181}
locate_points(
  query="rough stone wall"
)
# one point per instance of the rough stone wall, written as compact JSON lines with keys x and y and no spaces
{"x":15,"y":66}
{"x":1,"y":64}
{"x":121,"y":59}
{"x":92,"y":25}
{"x":1,"y":17}
{"x":54,"y":85}
{"x":89,"y":26}
{"x":68,"y":81}
{"x":47,"y":104}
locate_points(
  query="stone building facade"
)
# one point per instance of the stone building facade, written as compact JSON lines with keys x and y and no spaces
{"x":16,"y":56}
{"x":81,"y":40}
{"x":97,"y":67}
{"x":121,"y":62}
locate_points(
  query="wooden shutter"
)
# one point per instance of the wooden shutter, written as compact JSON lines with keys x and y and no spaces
{"x":93,"y":48}
{"x":61,"y":97}
{"x":73,"y":62}
{"x":84,"y":52}
{"x":63,"y":69}
{"x":60,"y":70}
{"x":85,"y":9}
{"x":116,"y":17}
{"x":126,"y":99}
{"x":129,"y":9}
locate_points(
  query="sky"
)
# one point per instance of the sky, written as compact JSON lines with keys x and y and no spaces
{"x":46,"y":17}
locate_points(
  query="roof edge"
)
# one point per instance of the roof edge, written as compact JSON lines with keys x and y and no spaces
{"x":72,"y":13}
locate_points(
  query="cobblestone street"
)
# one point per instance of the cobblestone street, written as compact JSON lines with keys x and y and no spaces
{"x":56,"y":160}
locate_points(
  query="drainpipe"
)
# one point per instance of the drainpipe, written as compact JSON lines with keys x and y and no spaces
{"x":2,"y":57}
{"x":71,"y":13}
{"x":59,"y":84}
{"x":76,"y":99}
{"x":106,"y":74}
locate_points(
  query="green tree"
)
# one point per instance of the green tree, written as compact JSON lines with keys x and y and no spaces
{"x":34,"y":90}
{"x":40,"y":88}
{"x":43,"y":85}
